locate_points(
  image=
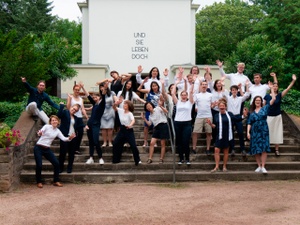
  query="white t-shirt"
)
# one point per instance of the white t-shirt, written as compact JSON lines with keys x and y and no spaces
{"x":258,"y":90}
{"x":203,"y":104}
{"x":134,"y":97}
{"x":183,"y":111}
{"x":157,"y":116}
{"x":125,"y":118}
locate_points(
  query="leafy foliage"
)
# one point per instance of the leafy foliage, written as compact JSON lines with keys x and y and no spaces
{"x":291,"y":102}
{"x":221,"y":26}
{"x":10,"y":112}
{"x":259,"y":55}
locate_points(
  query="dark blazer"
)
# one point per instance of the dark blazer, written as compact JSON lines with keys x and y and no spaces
{"x":65,"y":119}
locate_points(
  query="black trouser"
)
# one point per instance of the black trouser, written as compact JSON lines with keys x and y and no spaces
{"x":93,"y":136}
{"x":125,"y":136}
{"x":39,"y":152}
{"x":183,"y":136}
{"x":64,"y":148}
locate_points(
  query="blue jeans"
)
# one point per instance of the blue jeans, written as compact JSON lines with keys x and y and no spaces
{"x":93,"y":136}
{"x":183,"y":132}
{"x":39,"y":152}
{"x":125,"y":136}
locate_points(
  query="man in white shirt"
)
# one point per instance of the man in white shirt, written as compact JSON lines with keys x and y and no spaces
{"x":235,"y":78}
{"x":258,"y":89}
{"x":203,"y":102}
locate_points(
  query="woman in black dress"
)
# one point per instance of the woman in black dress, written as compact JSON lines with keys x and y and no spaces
{"x":224,"y":135}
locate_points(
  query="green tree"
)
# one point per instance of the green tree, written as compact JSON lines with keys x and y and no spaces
{"x":221,"y":26}
{"x":282,"y":26}
{"x":260,"y":56}
{"x":19,"y":58}
{"x":26,"y":16}
{"x":72,"y":31}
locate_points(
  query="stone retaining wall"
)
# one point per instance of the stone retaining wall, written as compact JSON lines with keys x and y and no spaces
{"x":12,"y":161}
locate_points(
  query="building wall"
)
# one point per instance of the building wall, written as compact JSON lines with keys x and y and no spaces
{"x":88,"y":74}
{"x":125,"y":34}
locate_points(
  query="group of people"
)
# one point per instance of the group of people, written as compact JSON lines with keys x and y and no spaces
{"x":193,"y":104}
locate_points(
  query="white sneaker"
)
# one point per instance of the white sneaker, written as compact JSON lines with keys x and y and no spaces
{"x":90,"y":161}
{"x":263,"y":170}
{"x":140,"y":162}
{"x":258,"y":170}
{"x":101,"y":161}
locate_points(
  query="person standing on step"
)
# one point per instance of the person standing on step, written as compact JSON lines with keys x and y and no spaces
{"x":160,"y":131}
{"x":72,"y":100}
{"x":93,"y":124}
{"x":182,"y":123}
{"x":36,"y":98}
{"x":258,"y":131}
{"x":108,"y":118}
{"x":224,"y":133}
{"x":153,"y":95}
{"x":126,"y":133}
{"x":234,"y":106}
{"x":274,"y":118}
{"x":42,"y":148}
{"x":69,"y":123}
{"x":204,"y":103}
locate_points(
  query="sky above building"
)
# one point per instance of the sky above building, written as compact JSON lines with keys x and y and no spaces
{"x":68,"y":9}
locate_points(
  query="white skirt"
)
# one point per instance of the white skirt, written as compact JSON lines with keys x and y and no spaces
{"x":275,"y":129}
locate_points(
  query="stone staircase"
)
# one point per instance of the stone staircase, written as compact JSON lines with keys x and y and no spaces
{"x":287,"y":166}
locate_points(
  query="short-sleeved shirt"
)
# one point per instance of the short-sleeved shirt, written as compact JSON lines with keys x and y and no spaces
{"x":183,"y":111}
{"x":125,"y":118}
{"x":203,"y":104}
{"x":258,"y":90}
{"x":157,"y":116}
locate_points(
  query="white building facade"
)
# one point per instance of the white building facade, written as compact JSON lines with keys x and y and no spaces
{"x":126,"y":33}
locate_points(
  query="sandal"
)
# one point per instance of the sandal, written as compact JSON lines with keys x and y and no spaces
{"x":277,"y":153}
{"x":215,"y":170}
{"x":149,"y":161}
{"x":225,"y":170}
{"x":161,"y":161}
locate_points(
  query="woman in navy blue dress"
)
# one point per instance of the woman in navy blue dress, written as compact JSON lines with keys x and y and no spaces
{"x":258,"y":131}
{"x":224,"y":134}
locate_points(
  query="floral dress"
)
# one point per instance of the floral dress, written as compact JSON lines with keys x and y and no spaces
{"x":259,"y":133}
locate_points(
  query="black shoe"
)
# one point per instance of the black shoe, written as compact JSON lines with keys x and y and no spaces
{"x":232,"y":154}
{"x":194,"y":151}
{"x":244,"y":153}
{"x":208,"y":152}
{"x":69,"y":170}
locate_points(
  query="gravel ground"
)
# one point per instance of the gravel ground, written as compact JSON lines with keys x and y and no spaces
{"x":268,"y":202}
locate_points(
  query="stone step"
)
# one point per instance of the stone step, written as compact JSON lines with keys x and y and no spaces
{"x":284,"y":157}
{"x":155,"y":166}
{"x":200,"y":149}
{"x":136,"y":175}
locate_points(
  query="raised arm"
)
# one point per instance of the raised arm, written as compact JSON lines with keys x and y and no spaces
{"x":274,"y":77}
{"x":272,"y":94}
{"x":140,"y":89}
{"x":294,"y":78}
{"x":175,"y":99}
{"x":166,"y":78}
{"x":125,"y":77}
{"x":220,"y":64}
{"x":138,"y":75}
{"x":191,"y":94}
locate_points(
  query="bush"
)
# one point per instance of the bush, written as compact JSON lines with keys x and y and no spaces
{"x":290,"y":102}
